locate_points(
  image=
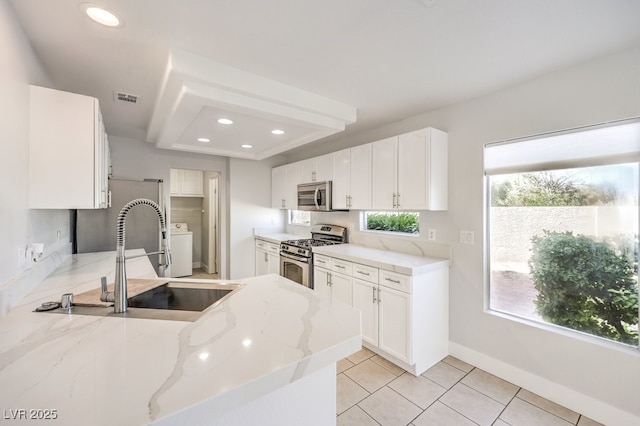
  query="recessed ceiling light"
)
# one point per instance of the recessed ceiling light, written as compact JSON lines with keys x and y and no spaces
{"x":203,"y":140}
{"x":225,"y":121}
{"x":101,"y":15}
{"x":277,"y":132}
{"x":246,"y":146}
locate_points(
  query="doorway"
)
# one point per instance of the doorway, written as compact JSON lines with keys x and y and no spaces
{"x":211,"y":225}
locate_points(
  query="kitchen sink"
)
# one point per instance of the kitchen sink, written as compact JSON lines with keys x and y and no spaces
{"x":175,"y":300}
{"x":176,"y":296}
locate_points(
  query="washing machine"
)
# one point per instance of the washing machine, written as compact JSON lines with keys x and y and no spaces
{"x":181,"y":250}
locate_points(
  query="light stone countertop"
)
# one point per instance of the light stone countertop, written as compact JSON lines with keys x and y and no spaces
{"x":402,"y":263}
{"x":125,"y":371}
{"x":277,"y":238}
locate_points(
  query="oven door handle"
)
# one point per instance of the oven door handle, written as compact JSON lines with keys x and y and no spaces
{"x":315,"y":198}
{"x":294,"y":257}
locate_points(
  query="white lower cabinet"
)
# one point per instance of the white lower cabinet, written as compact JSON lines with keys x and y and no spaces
{"x":405,"y":319}
{"x":330,"y":283}
{"x":267,"y":258}
{"x":386,"y":316}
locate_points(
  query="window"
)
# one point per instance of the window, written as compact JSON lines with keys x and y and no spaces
{"x":399,"y":222}
{"x":299,"y":217}
{"x":562,"y":221}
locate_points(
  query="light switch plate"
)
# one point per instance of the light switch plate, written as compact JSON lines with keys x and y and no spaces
{"x":466,"y":237}
{"x":431,"y":234}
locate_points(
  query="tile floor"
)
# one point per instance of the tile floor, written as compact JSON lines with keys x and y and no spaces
{"x":372,"y":391}
{"x":201,"y":274}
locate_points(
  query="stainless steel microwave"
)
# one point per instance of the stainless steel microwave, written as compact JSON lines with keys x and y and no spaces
{"x":315,"y":196}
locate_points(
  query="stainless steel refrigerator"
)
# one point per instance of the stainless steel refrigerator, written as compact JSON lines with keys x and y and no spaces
{"x":96,"y":229}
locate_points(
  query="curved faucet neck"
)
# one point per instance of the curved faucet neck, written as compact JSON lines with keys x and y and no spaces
{"x":120,"y":285}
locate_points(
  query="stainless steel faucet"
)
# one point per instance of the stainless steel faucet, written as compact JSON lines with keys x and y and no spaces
{"x":119,"y":295}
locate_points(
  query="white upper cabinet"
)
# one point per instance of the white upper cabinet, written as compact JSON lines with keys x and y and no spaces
{"x":352,"y":178}
{"x":423,"y":170}
{"x":284,"y":186}
{"x":384,"y":175}
{"x":406,"y":172}
{"x":68,"y":151}
{"x":410,"y":171}
{"x":360,"y":196}
{"x":317,"y":169}
{"x":186,"y":183}
{"x":341,"y":186}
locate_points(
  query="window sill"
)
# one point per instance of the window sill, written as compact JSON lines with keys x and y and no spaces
{"x":566,"y":332}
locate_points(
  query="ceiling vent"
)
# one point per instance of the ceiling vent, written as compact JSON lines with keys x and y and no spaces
{"x":126,"y":97}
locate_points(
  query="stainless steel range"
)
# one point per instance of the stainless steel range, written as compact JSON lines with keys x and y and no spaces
{"x":296,"y":256}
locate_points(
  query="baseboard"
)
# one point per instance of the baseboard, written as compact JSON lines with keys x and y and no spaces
{"x":569,"y":398}
{"x":16,"y":288}
{"x":196,"y":265}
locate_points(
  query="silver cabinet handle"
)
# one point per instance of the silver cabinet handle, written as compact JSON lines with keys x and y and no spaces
{"x":340,"y":266}
{"x":379,"y":296}
{"x":329,"y":282}
{"x":363,"y":273}
{"x":374,"y":294}
{"x":349,"y":201}
{"x":394,"y":200}
{"x":266,"y":258}
{"x":392,"y":280}
{"x":283,"y":203}
{"x":398,"y":200}
{"x":313,"y":176}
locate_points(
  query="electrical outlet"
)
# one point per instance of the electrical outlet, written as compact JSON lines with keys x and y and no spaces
{"x":466,"y":237}
{"x":431,"y":234}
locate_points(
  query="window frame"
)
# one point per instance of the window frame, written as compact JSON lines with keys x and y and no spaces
{"x":554,"y":165}
{"x":291,"y":213}
{"x":363,"y":223}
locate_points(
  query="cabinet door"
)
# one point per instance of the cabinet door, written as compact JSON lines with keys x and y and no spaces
{"x":321,"y":279}
{"x":64,"y":125}
{"x":324,"y":169}
{"x":360,"y":179}
{"x":192,"y":183}
{"x":413,"y":176}
{"x":294,"y":177}
{"x":395,"y":323}
{"x":422,"y":179}
{"x":365,"y":299}
{"x":341,"y":288}
{"x":384,"y":173}
{"x":308,"y":170}
{"x":273,"y":263}
{"x":174,"y":181}
{"x":341,"y":161}
{"x":278,"y":187}
{"x":261,"y":262}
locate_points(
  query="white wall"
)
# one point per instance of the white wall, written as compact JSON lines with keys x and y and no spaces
{"x":20,"y":226}
{"x":596,"y":379}
{"x":249,"y":208}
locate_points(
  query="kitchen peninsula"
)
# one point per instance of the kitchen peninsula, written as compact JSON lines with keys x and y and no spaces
{"x":266,"y":355}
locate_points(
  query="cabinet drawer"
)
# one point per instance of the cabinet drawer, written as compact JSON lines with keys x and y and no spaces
{"x":321,"y":261}
{"x":261,"y":244}
{"x":395,"y":280}
{"x":273,"y":248}
{"x":341,"y":266}
{"x":365,"y":273}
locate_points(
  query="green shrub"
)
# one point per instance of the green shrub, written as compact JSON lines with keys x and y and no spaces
{"x":393,"y":222}
{"x":586,"y":285}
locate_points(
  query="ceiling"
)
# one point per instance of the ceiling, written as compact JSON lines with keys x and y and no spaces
{"x":317,"y":69}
